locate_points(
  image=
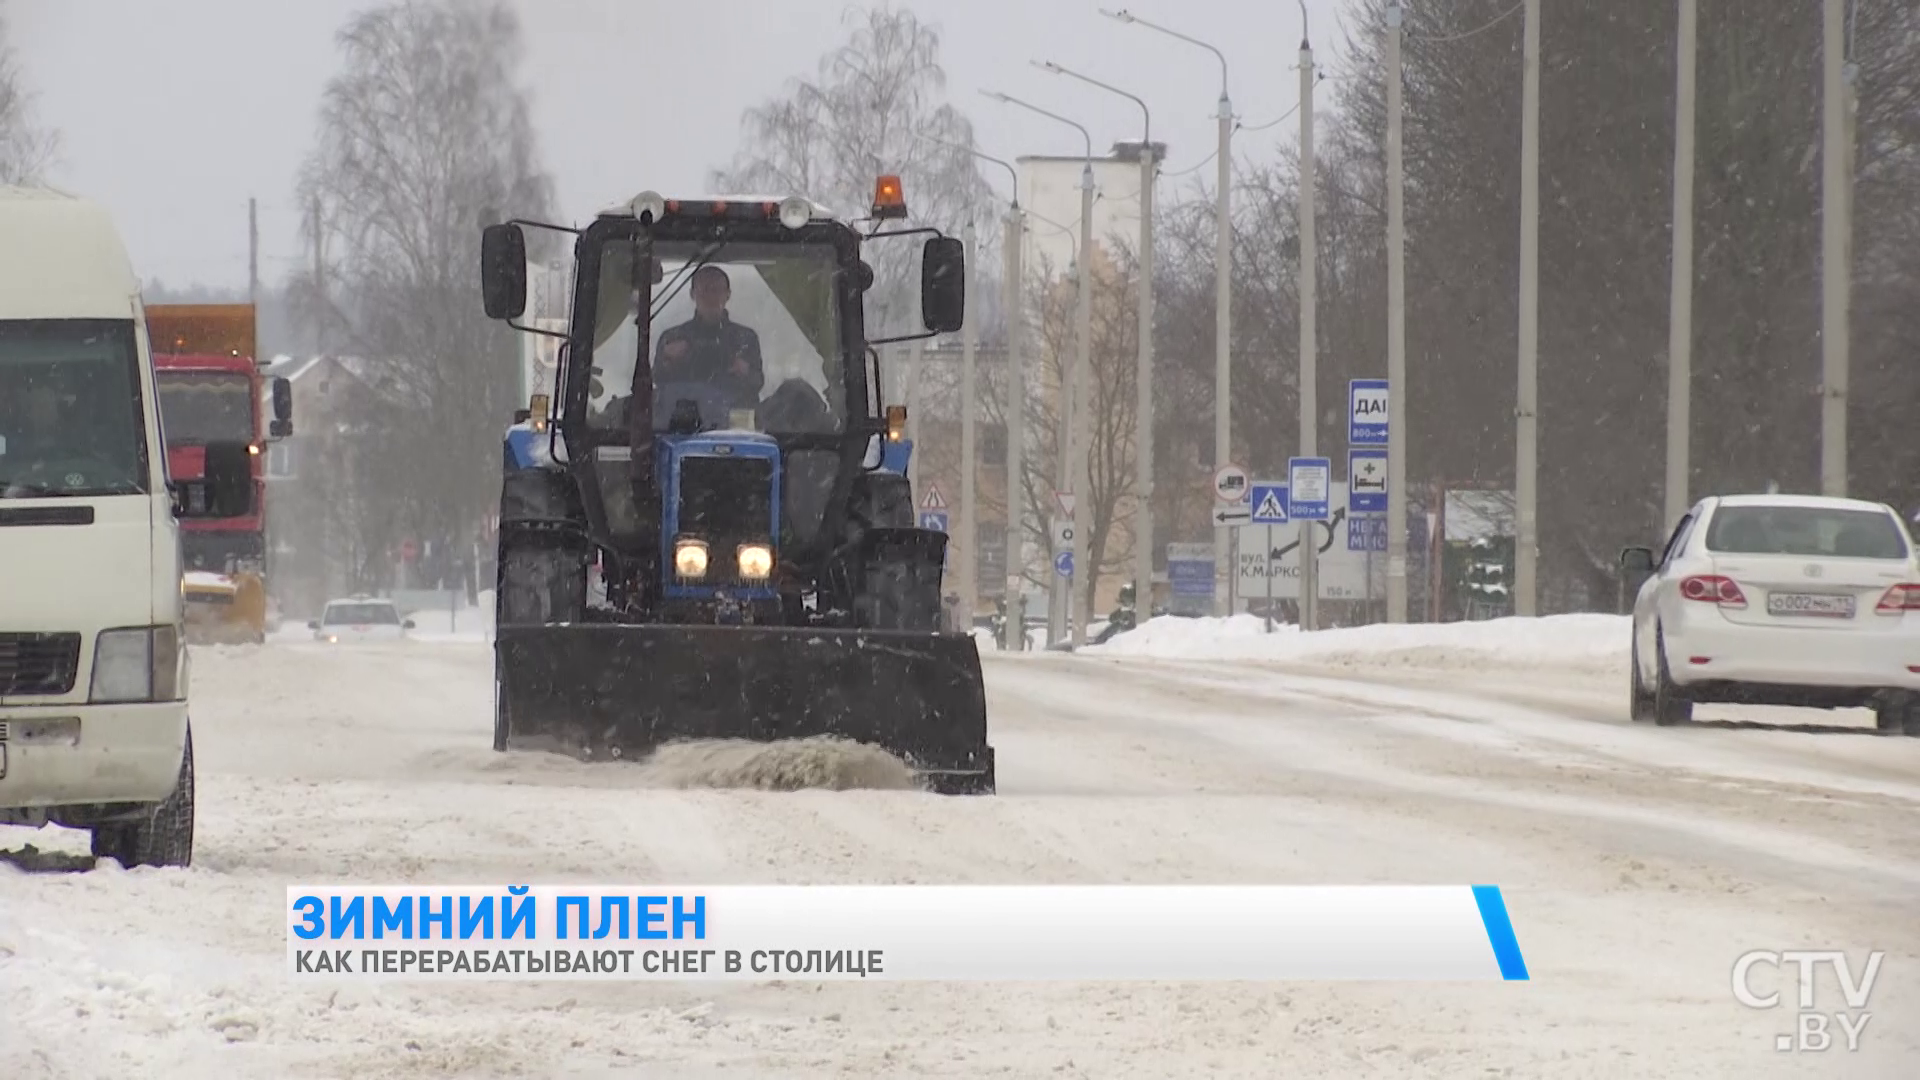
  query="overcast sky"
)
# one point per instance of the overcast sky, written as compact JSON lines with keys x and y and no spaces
{"x":175,"y":113}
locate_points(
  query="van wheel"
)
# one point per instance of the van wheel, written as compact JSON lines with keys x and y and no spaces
{"x":164,"y":836}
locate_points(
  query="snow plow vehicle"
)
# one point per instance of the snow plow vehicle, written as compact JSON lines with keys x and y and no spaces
{"x":211,"y":390}
{"x":715,"y":452}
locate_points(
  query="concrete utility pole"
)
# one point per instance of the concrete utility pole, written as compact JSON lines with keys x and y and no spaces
{"x":1224,"y":571}
{"x":1397,"y":440}
{"x":1143,"y":370}
{"x":1836,"y":213}
{"x":968,"y":557}
{"x":1074,"y":424}
{"x":1309,"y":301}
{"x":1526,"y":543}
{"x":1680,"y":303}
{"x":253,"y":251}
{"x":1012,"y":290}
{"x":1016,"y":423}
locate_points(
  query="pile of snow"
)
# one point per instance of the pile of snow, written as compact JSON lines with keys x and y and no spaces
{"x":1588,"y":643}
{"x":834,"y":764}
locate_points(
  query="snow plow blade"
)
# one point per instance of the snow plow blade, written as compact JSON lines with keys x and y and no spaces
{"x":607,"y":691}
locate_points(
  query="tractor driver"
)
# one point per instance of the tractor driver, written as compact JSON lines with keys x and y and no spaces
{"x":711,"y":348}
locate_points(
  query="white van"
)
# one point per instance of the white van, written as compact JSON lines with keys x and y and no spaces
{"x":93,"y":672}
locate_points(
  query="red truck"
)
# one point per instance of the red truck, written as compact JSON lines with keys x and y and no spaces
{"x":212,"y":388}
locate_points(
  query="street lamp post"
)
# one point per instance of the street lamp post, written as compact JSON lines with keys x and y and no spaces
{"x":1526,"y":549}
{"x":1077,"y":412}
{"x":1397,"y":440}
{"x":1309,"y":604}
{"x":1143,"y":371}
{"x":1014,"y":412}
{"x":1224,"y":572}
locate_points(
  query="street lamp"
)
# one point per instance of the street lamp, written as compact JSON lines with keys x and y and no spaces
{"x":1014,"y":630}
{"x":1223,"y":305}
{"x":1076,"y":413}
{"x":1143,"y":374}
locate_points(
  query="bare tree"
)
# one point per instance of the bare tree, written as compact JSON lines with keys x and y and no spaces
{"x":26,"y":151}
{"x":424,"y":135}
{"x":831,"y":136}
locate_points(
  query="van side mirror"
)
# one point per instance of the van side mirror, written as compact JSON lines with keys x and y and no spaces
{"x":943,"y":284}
{"x":503,"y":271}
{"x":224,"y":488}
{"x":1636,"y":560}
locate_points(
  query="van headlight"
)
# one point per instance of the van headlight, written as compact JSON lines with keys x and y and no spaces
{"x":756,"y":562}
{"x":136,"y":664}
{"x":690,"y":558}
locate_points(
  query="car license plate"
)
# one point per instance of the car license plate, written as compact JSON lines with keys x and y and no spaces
{"x":1828,"y":605}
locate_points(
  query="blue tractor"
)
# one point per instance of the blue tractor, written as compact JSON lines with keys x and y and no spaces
{"x":715,"y":446}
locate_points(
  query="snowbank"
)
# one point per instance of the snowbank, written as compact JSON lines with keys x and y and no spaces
{"x":1595,"y":644}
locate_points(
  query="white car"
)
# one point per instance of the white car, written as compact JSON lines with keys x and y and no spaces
{"x":1779,"y":600}
{"x":359,"y":619}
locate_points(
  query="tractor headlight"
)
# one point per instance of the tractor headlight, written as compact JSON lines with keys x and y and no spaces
{"x":690,"y":558}
{"x":795,"y":212}
{"x":648,"y":203}
{"x":756,"y":562}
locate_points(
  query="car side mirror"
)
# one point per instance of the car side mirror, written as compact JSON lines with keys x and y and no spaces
{"x":408,"y":625}
{"x":313,"y":624}
{"x":224,"y":488}
{"x":503,"y":271}
{"x":282,"y":406}
{"x":1636,"y":560}
{"x":943,"y":284}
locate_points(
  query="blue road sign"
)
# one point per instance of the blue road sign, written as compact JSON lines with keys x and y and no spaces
{"x":1190,"y":577}
{"x":1367,"y":412}
{"x":1063,"y":564}
{"x":1269,"y":503}
{"x":1366,"y":533}
{"x":1309,"y":488}
{"x":1366,"y":481}
{"x":934,"y":519}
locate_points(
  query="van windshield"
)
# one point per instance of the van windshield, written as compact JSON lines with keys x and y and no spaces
{"x":70,"y":410}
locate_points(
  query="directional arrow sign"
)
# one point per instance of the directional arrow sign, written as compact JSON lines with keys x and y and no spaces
{"x":1232,"y":514}
{"x":1367,"y":412}
{"x":1063,"y":564}
{"x":1308,"y":480}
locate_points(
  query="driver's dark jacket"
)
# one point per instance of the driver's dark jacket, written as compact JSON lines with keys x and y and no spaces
{"x":714,"y":348}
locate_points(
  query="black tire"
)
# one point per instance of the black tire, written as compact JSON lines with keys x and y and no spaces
{"x":1669,"y":708}
{"x":161,"y":837}
{"x":1639,"y":698}
{"x":542,"y":585}
{"x":1898,"y":714}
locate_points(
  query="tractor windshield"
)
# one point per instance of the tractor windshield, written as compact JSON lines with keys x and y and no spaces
{"x":745,"y":336}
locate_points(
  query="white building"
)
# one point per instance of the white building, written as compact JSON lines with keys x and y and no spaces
{"x":1050,"y":193}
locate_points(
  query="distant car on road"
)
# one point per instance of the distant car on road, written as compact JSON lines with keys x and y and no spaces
{"x":358,"y":619}
{"x":1779,"y":600}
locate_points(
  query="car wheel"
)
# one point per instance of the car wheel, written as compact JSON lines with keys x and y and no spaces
{"x":163,"y":836}
{"x":1669,"y":707}
{"x":1898,"y":714}
{"x":1639,"y":698}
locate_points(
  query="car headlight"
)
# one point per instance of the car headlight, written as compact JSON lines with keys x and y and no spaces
{"x":756,"y":562}
{"x":136,"y":664}
{"x":690,"y":558}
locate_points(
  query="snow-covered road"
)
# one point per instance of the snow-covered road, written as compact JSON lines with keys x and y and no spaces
{"x":1637,"y":863}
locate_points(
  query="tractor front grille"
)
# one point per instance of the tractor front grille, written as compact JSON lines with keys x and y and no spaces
{"x":726,"y":501}
{"x":38,"y":663}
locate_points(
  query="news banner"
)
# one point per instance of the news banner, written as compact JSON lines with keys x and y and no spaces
{"x":902,"y":932}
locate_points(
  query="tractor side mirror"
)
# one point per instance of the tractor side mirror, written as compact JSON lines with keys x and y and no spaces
{"x":943,"y":284}
{"x":1636,"y":560}
{"x":282,"y":425}
{"x":503,"y":271}
{"x":225,"y":488}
